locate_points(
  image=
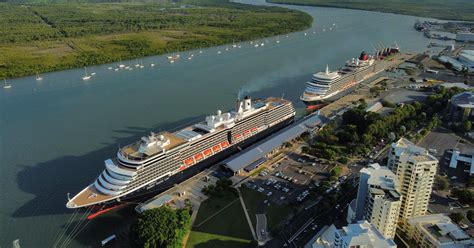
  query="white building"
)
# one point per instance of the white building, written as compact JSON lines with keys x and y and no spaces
{"x":361,"y":234}
{"x":466,"y":57}
{"x":465,"y":37}
{"x":415,"y":169}
{"x":378,"y":200}
{"x":436,"y":231}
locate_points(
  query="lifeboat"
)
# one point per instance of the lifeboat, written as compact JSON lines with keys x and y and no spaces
{"x":237,"y":136}
{"x":189,"y":161}
{"x":225,"y":144}
{"x":216,"y":148}
{"x":254,"y":129}
{"x":246,"y":132}
{"x":198,"y":157}
{"x":182,"y":167}
{"x":207,"y":152}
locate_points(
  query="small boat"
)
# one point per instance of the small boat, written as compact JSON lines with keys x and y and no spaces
{"x":227,"y":49}
{"x":305,"y":34}
{"x":137,"y":64}
{"x":262,"y":44}
{"x":121,"y":65}
{"x":239,"y":46}
{"x":109,"y":68}
{"x":218,"y":52}
{"x":86,"y":76}
{"x":256,"y":45}
{"x":152,"y":65}
{"x":200,"y":51}
{"x":171,"y":61}
{"x":278,"y":39}
{"x":116,"y":69}
{"x":93,"y":74}
{"x":334,"y":24}
{"x":190,"y":57}
{"x":287,"y":36}
{"x":127,"y":67}
{"x":324,"y":30}
{"x":251,"y":42}
{"x":38,"y":78}
{"x":314,"y":32}
{"x":6,"y":86}
{"x":330,"y":29}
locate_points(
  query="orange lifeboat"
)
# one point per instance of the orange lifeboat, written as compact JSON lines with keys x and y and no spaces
{"x":225,"y":144}
{"x":198,"y":156}
{"x":189,"y":161}
{"x":182,"y":167}
{"x":254,"y":129}
{"x":246,"y":132}
{"x":207,"y":152}
{"x":237,"y":136}
{"x":216,"y":148}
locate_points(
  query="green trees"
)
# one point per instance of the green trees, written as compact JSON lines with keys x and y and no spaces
{"x":465,"y":196}
{"x":467,"y":126}
{"x":160,"y":227}
{"x":222,"y":188}
{"x":46,"y":37}
{"x":470,"y":216}
{"x":456,"y":217}
{"x":441,"y":183}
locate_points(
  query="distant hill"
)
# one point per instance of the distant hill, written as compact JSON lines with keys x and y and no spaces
{"x":441,"y":9}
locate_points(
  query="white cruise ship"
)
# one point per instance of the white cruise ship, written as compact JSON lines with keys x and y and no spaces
{"x":149,"y":162}
{"x":327,"y":86}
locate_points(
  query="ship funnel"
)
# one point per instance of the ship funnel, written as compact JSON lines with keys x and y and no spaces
{"x":247,"y":103}
{"x":239,"y":107}
{"x":327,"y":69}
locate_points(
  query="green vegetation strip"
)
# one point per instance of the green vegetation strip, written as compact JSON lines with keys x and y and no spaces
{"x":47,"y":37}
{"x":449,"y":10}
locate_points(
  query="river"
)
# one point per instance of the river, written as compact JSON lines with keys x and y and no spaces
{"x":55,"y":134}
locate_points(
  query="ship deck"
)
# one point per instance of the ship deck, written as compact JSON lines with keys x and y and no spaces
{"x":131,"y":151}
{"x":89,"y":196}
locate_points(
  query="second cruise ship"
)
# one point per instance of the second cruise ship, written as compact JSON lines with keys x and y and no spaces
{"x":327,"y":86}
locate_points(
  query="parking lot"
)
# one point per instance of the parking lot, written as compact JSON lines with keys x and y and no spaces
{"x":292,"y":180}
{"x":440,"y":142}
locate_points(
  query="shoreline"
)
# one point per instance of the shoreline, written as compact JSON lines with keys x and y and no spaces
{"x":376,"y":11}
{"x":77,"y":58}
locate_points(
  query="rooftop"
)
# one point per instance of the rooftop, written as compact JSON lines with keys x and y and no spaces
{"x":381,"y":176}
{"x":463,"y":100}
{"x":413,"y":152}
{"x":364,"y":233}
{"x":439,"y":229}
{"x":259,"y":150}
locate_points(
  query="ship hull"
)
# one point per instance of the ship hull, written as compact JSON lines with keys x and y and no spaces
{"x":163,"y":184}
{"x":318,"y":104}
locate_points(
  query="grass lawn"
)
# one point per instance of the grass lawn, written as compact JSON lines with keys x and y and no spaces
{"x":227,"y":229}
{"x":211,"y":206}
{"x":275,"y":213}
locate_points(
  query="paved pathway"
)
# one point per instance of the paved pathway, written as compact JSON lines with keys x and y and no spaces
{"x":247,"y":215}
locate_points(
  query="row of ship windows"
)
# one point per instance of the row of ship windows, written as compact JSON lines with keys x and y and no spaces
{"x":199,"y":147}
{"x":149,"y":176}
